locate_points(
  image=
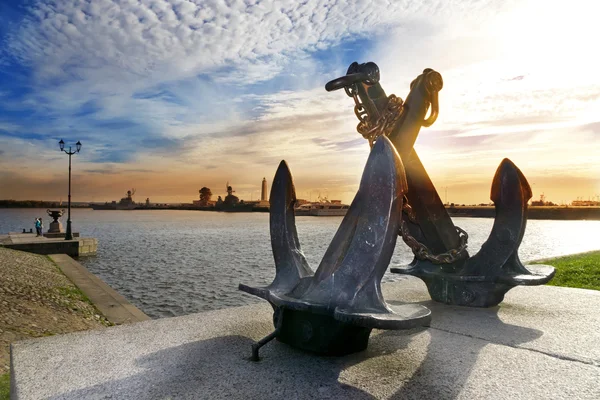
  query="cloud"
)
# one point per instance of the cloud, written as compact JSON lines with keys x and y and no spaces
{"x":181,"y":38}
{"x":233,"y":87}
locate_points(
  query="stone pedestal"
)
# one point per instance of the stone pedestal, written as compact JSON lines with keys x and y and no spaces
{"x":55,"y":227}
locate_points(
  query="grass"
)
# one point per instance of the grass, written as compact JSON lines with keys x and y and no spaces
{"x":74,"y":293}
{"x":5,"y":386}
{"x":577,"y":271}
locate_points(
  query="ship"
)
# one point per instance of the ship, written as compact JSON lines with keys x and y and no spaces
{"x":126,"y":203}
{"x":322,"y":208}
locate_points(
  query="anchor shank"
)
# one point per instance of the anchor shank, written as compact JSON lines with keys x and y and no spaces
{"x":373,"y":98}
{"x":436,"y":225}
{"x":437,"y":229}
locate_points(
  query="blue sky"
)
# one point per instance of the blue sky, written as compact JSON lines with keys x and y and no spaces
{"x":171,"y":95}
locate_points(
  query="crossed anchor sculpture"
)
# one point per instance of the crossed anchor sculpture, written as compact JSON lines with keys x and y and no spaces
{"x":333,"y":310}
{"x":440,"y":248}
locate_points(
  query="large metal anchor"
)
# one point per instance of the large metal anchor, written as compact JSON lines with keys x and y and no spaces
{"x":440,"y":248}
{"x":333,"y":311}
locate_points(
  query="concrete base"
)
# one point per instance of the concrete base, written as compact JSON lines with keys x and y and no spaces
{"x":45,"y":245}
{"x":55,"y":227}
{"x":54,"y":235}
{"x":541,"y":342}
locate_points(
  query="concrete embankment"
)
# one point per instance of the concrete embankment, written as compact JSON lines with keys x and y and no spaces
{"x":45,"y":296}
{"x":110,"y":303}
{"x":29,"y":242}
{"x":37,"y":300}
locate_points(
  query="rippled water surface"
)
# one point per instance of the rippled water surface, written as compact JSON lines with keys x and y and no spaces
{"x":171,"y":263}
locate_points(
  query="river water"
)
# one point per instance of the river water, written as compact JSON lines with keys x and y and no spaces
{"x":171,"y":263}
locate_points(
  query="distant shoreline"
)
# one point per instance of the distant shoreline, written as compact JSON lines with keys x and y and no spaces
{"x":534,"y":212}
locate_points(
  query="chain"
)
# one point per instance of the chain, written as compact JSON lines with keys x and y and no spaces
{"x":383,"y":125}
{"x":421,"y":251}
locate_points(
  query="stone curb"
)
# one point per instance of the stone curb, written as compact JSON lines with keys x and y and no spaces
{"x":111,"y":304}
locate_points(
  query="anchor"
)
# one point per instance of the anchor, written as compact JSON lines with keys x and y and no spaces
{"x":333,"y":310}
{"x":440,"y":252}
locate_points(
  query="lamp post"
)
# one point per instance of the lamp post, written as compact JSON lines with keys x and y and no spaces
{"x":69,"y":234}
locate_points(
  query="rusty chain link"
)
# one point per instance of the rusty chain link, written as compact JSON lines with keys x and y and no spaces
{"x":422,"y":252}
{"x":383,"y":125}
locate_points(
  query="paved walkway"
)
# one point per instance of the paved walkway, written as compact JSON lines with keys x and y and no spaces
{"x":18,"y":238}
{"x":32,"y":243}
{"x":540,"y":343}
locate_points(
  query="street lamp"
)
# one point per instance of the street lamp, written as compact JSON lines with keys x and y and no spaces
{"x":69,"y":234}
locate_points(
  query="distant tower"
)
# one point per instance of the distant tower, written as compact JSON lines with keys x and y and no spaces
{"x":263,"y":193}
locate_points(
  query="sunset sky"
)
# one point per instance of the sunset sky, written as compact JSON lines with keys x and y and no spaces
{"x":168,"y":96}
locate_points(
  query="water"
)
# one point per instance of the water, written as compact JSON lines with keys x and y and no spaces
{"x":170,"y":263}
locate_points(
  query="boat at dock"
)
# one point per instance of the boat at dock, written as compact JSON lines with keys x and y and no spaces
{"x":322,"y":208}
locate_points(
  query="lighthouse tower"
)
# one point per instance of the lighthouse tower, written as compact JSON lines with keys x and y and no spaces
{"x":264,"y":200}
{"x":263,"y":193}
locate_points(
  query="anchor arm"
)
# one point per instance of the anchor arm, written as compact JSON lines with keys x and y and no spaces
{"x":290,"y":264}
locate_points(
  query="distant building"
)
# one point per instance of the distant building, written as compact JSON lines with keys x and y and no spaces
{"x":230,"y":199}
{"x":199,"y":203}
{"x":585,"y":203}
{"x":264,"y":201}
{"x":263,"y":193}
{"x":299,"y":202}
{"x":542,"y":202}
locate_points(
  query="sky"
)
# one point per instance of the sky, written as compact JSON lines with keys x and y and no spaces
{"x":168,"y":96}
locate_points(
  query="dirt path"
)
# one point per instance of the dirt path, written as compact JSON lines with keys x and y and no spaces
{"x":36,"y":300}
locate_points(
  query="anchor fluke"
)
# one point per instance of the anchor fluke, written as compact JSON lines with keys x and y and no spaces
{"x":290,"y":264}
{"x":483,"y":279}
{"x":510,"y":193}
{"x":334,"y":310}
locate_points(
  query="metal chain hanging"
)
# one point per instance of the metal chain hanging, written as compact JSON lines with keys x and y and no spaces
{"x":383,"y":126}
{"x":422,"y":252}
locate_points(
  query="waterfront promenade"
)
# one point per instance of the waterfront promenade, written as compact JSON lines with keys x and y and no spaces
{"x":29,"y":242}
{"x":540,"y":343}
{"x":524,"y":348}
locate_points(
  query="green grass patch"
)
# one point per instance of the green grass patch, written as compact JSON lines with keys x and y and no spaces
{"x":5,"y":386}
{"x":577,"y":271}
{"x":73,"y":293}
